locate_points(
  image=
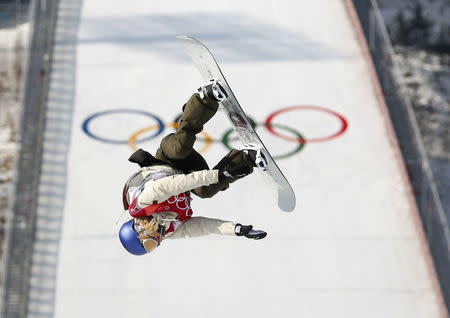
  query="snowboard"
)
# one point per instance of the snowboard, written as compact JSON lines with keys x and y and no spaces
{"x":208,"y":67}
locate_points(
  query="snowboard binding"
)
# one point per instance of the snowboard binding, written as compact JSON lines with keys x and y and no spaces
{"x":258,"y":156}
{"x":215,"y":90}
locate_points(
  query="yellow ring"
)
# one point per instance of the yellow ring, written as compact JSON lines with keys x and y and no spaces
{"x":133,"y":138}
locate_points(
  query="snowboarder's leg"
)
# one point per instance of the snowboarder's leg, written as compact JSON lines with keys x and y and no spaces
{"x":177,"y":148}
{"x":235,"y":159}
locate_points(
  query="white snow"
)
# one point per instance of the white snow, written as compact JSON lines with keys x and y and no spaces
{"x":12,"y":43}
{"x":11,"y":53}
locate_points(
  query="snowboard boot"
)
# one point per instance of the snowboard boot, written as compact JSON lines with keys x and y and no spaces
{"x":215,"y":90}
{"x":249,"y":232}
{"x":258,"y":157}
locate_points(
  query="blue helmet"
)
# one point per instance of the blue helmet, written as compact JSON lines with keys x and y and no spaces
{"x":129,"y":239}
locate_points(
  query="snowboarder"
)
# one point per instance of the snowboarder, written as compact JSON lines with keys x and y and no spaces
{"x":158,"y":195}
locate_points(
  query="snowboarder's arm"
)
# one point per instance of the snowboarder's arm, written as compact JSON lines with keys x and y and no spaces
{"x":162,"y":189}
{"x":200,"y":226}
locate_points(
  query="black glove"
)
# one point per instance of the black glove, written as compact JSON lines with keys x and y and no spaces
{"x":249,"y":232}
{"x":231,"y":169}
{"x":234,"y":171}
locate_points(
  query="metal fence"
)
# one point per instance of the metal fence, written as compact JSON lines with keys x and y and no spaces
{"x":20,"y":231}
{"x":412,"y":147}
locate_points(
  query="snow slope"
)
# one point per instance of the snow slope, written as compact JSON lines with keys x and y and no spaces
{"x":351,"y":247}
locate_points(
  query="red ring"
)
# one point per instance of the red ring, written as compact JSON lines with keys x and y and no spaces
{"x":270,"y":127}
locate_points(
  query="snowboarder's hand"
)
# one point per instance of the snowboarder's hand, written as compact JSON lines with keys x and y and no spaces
{"x":249,"y":232}
{"x":230,"y":171}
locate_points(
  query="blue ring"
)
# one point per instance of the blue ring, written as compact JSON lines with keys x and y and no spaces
{"x":112,"y":111}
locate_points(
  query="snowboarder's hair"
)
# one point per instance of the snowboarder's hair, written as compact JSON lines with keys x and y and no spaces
{"x":149,"y":227}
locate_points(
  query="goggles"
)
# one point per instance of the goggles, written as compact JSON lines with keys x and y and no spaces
{"x":150,"y":244}
{"x":154,"y":241}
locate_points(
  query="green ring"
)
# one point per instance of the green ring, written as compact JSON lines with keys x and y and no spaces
{"x":225,"y":140}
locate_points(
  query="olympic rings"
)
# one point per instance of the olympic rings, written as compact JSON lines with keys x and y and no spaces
{"x":269,"y":125}
{"x":112,"y":111}
{"x":225,"y":140}
{"x":179,"y":199}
